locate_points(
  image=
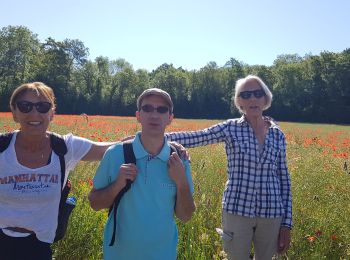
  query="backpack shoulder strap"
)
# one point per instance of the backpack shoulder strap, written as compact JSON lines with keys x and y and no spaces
{"x":60,"y":148}
{"x":5,"y":139}
{"x":58,"y":144}
{"x":129,"y":155}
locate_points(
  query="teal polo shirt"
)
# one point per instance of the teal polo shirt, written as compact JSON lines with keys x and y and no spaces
{"x":146,"y":227}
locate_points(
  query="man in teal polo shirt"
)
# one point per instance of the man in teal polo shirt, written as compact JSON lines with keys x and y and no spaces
{"x":162,"y":187}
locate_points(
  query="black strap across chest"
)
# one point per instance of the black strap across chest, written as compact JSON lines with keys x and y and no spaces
{"x":129,"y":157}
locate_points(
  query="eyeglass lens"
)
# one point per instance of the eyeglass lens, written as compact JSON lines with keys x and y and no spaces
{"x":150,"y":109}
{"x":26,"y":106}
{"x":258,"y":93}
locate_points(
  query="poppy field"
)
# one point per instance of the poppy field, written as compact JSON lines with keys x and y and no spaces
{"x":318,"y":161}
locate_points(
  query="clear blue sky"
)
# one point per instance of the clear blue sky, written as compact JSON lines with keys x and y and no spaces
{"x":188,"y":33}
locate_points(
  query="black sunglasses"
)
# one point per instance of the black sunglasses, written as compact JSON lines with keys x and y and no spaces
{"x":150,"y":109}
{"x":26,"y":106}
{"x":258,"y":93}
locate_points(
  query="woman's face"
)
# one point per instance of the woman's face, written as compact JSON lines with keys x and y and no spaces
{"x":253,"y":99}
{"x":33,"y":119}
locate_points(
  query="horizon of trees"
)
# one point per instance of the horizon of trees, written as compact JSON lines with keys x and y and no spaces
{"x":313,"y":88}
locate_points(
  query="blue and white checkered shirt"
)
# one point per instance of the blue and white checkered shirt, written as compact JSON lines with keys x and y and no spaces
{"x":258,"y":183}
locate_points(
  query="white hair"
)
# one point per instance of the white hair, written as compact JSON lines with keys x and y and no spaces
{"x":241,"y":83}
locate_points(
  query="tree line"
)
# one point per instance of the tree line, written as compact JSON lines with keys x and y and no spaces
{"x":313,"y":88}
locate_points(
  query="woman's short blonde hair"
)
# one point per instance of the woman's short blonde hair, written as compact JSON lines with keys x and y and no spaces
{"x":240,"y":84}
{"x":38,"y":87}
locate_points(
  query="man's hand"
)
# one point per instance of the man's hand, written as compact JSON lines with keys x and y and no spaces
{"x":177,"y":170}
{"x":126,"y":172}
{"x":104,"y":198}
{"x":182,"y":150}
{"x":184,"y":205}
{"x":283,"y":240}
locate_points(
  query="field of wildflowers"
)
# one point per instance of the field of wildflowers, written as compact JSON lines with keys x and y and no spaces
{"x":318,"y":159}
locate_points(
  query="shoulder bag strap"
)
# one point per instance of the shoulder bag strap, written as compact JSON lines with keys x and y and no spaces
{"x":129,"y":157}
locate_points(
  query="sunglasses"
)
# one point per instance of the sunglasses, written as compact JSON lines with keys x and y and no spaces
{"x":248,"y":94}
{"x":150,"y":109}
{"x":26,"y":106}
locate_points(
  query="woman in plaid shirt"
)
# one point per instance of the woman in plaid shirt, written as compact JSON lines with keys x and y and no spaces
{"x":257,"y":201}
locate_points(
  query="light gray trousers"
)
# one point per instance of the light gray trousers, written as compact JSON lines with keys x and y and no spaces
{"x":240,"y":232}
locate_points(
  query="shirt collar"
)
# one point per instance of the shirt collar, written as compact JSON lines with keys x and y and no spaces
{"x":140,"y":151}
{"x":243,"y":121}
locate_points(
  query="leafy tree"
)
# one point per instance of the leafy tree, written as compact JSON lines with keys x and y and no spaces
{"x":19,"y":59}
{"x":311,"y":88}
{"x":60,"y":61}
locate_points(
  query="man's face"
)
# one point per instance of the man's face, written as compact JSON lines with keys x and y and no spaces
{"x":153,"y":115}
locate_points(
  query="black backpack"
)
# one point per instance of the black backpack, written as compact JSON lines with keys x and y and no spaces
{"x":59,"y":147}
{"x":129,"y":157}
